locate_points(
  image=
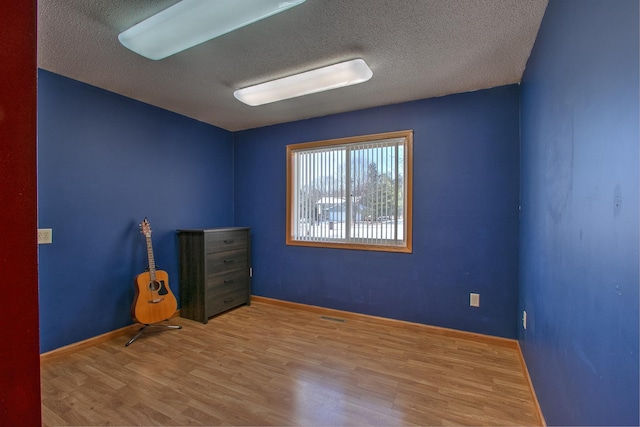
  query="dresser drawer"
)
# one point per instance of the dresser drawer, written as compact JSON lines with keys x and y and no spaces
{"x":222,"y":262}
{"x":224,"y":281}
{"x":239,"y":287}
{"x":226,"y":300}
{"x":224,"y":241}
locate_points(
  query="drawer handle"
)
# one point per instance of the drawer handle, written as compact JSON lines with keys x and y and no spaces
{"x":228,"y":300}
{"x":228,"y":281}
{"x":228,"y":261}
{"x":227,"y":241}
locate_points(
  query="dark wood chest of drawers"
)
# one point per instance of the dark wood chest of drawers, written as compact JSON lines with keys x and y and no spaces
{"x":214,"y":271}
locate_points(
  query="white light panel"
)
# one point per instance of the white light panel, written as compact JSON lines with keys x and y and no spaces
{"x":318,"y":80}
{"x":191,"y":22}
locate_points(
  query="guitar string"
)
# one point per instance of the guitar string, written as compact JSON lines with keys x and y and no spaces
{"x":154,"y":284}
{"x":151,"y":268}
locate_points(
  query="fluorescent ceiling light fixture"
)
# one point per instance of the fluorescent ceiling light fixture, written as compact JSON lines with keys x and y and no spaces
{"x":191,"y":22}
{"x":332,"y":77}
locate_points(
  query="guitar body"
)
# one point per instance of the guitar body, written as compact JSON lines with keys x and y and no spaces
{"x":154,"y":301}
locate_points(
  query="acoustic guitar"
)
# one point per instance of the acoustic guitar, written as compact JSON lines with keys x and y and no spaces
{"x":154,"y":300}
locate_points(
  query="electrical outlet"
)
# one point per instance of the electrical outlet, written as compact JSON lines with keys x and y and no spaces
{"x":474,"y":300}
{"x":524,"y":319}
{"x":45,"y":235}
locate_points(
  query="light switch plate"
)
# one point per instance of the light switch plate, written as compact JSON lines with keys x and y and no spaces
{"x":45,"y":236}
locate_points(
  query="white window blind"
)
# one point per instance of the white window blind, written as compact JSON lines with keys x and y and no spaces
{"x":350,"y":191}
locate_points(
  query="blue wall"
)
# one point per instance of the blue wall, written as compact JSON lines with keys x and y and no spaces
{"x":465,"y":230}
{"x":104,"y":163}
{"x":579,"y":236}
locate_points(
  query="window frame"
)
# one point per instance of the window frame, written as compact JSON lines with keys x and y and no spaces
{"x":407,"y":193}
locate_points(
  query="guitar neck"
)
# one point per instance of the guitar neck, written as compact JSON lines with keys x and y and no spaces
{"x":152,"y":263}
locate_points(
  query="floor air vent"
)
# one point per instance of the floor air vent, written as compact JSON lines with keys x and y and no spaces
{"x":333,"y":319}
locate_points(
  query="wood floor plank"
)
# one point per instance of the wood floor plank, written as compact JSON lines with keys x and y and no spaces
{"x":269,"y":364}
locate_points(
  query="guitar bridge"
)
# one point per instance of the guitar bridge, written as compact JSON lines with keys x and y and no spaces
{"x":155,"y":301}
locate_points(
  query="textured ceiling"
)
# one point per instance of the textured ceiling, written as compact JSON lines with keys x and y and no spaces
{"x":416,"y":49}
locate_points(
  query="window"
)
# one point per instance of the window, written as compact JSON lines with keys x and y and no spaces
{"x":352,"y":193}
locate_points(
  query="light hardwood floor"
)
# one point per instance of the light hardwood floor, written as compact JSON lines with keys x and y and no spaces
{"x":268,"y":364}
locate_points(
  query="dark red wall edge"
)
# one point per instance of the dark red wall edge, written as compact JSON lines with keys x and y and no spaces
{"x":19,"y":343}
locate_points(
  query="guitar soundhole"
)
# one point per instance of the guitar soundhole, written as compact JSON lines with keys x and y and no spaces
{"x":158,"y":286}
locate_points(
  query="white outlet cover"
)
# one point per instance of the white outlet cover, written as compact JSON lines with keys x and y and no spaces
{"x":474,"y":300}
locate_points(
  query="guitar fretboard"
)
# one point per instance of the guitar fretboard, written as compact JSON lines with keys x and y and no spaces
{"x":152,"y":263}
